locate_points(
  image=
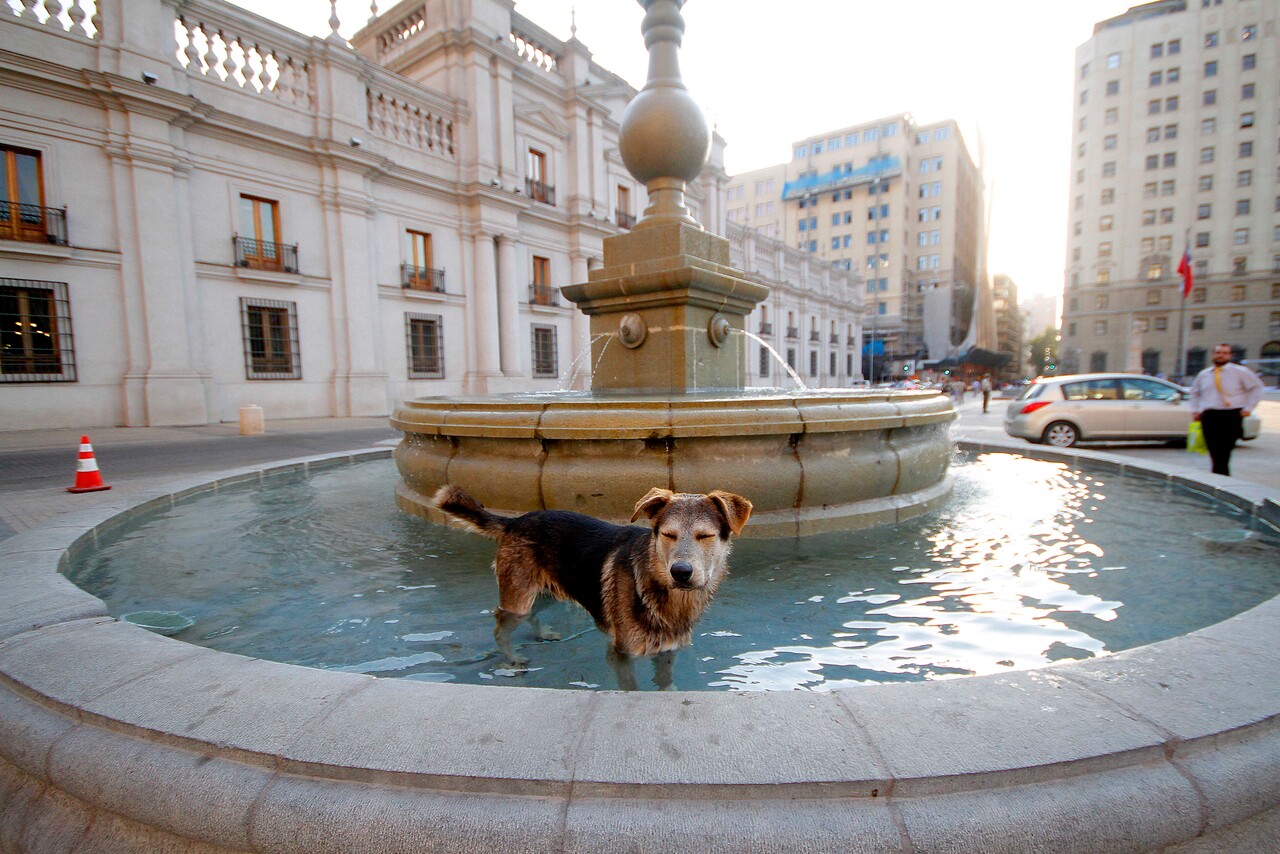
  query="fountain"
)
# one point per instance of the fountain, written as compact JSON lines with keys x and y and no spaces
{"x":668,"y":405}
{"x":113,"y":738}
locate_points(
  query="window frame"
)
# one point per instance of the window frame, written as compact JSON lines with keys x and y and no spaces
{"x":59,"y":332}
{"x":265,"y":365}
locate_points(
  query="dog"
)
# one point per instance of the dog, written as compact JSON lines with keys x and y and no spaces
{"x":644,"y":587}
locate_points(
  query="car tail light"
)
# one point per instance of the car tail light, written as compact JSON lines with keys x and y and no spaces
{"x":1034,"y":405}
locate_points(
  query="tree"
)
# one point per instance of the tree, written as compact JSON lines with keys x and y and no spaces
{"x":1043,"y":355}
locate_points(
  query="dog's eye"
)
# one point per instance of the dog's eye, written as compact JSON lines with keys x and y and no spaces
{"x":670,"y":536}
{"x":704,"y":536}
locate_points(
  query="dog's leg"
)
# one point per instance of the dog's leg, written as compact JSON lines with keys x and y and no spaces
{"x":541,"y":631}
{"x":506,"y":624}
{"x":622,"y":668}
{"x":663,"y":664}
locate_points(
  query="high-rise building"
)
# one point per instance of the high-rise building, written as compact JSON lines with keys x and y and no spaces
{"x":1009,"y":332}
{"x":900,"y":203}
{"x":1174,"y":150}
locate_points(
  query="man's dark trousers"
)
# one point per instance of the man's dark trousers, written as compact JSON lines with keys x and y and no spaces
{"x":1222,"y":427}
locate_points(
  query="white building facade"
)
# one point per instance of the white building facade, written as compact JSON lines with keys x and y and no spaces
{"x":205,"y":210}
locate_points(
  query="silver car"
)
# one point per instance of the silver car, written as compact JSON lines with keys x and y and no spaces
{"x":1065,"y":410}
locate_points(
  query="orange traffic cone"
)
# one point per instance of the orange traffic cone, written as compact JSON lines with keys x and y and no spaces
{"x":88,"y":478}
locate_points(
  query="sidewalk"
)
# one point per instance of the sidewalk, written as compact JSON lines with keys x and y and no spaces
{"x":36,"y":466}
{"x":1256,"y":461}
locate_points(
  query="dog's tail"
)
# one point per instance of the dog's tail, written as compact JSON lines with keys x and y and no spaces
{"x":469,"y":512}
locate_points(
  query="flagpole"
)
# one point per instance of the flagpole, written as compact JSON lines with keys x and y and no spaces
{"x":1182,"y":311}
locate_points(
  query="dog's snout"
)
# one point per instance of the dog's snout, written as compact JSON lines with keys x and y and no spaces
{"x":682,"y":571}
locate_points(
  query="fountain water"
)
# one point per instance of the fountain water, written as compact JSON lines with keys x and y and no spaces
{"x":668,"y":405}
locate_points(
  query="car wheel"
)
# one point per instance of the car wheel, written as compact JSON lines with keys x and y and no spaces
{"x":1061,"y":434}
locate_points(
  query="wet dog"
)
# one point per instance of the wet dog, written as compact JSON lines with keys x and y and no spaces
{"x":644,"y":587}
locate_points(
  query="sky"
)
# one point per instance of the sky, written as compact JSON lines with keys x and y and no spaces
{"x":769,"y":74}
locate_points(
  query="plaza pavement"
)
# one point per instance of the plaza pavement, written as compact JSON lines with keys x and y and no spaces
{"x":36,"y":466}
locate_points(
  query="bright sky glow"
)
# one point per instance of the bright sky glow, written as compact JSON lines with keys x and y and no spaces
{"x":770,"y":73}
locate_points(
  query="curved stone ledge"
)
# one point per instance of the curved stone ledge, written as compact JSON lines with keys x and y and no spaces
{"x":118,"y":738}
{"x":795,"y":454}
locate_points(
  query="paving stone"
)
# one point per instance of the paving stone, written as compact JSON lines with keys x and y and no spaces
{"x":1189,"y":686}
{"x":1237,"y":776}
{"x":119,"y":836}
{"x":507,"y":734}
{"x":731,"y":739}
{"x":1009,"y":723}
{"x":19,"y":794}
{"x":183,"y":792}
{"x":679,"y":825}
{"x":1137,"y":809}
{"x":302,"y":816}
{"x":55,"y":824}
{"x":227,"y":700}
{"x":27,"y":731}
{"x":74,"y":662}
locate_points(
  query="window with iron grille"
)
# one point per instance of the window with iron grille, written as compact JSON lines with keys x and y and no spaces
{"x":35,"y":332}
{"x":424,"y":334}
{"x":545,"y":361}
{"x":270,"y":339}
{"x":764,"y":362}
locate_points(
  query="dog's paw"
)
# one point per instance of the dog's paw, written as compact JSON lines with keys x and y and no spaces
{"x":517,"y":661}
{"x":548,"y":635}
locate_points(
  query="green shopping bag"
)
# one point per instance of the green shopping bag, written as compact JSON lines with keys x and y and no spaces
{"x":1195,"y":438}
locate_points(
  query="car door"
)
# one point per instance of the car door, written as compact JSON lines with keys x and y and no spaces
{"x":1096,"y":407}
{"x":1154,"y":409}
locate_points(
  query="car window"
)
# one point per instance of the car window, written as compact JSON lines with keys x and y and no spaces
{"x":1140,"y":389}
{"x":1032,"y":391}
{"x":1091,"y":390}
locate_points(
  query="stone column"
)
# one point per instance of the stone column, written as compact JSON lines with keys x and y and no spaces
{"x":482,"y":303}
{"x":509,"y":291}
{"x":162,"y":384}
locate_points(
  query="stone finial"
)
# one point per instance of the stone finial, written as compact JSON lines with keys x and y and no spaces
{"x":334,"y":23}
{"x":664,"y":140}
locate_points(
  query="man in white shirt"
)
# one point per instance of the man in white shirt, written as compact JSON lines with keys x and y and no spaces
{"x":1221,"y":398}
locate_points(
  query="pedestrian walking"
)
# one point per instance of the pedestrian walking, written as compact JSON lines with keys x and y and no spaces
{"x":985,"y":387}
{"x":1222,"y":396}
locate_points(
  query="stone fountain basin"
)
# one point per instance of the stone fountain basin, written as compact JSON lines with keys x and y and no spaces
{"x":114,"y":738}
{"x":810,"y":461}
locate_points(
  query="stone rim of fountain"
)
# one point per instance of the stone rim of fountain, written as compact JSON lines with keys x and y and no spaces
{"x":1150,"y":747}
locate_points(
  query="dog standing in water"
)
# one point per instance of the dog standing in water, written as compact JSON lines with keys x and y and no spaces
{"x":644,"y":587}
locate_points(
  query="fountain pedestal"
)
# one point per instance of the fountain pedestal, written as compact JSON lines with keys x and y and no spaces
{"x":667,"y":311}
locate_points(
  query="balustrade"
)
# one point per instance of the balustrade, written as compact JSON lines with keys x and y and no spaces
{"x":58,"y":16}
{"x":33,"y":223}
{"x":421,"y":278}
{"x":624,"y":219}
{"x":217,"y":52}
{"x":400,"y":121}
{"x":540,"y":192}
{"x":532,"y":49}
{"x":265,"y":255}
{"x":544,"y":295}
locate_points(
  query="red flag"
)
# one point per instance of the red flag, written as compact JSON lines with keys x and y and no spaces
{"x":1184,"y":270}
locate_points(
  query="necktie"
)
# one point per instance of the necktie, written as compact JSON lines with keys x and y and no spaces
{"x":1217,"y":383}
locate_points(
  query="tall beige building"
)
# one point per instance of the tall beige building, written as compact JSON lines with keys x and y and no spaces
{"x":901,"y":204}
{"x":1175,"y":149}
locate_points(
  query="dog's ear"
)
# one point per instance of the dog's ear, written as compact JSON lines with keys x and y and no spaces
{"x":735,"y":509}
{"x":651,"y":505}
